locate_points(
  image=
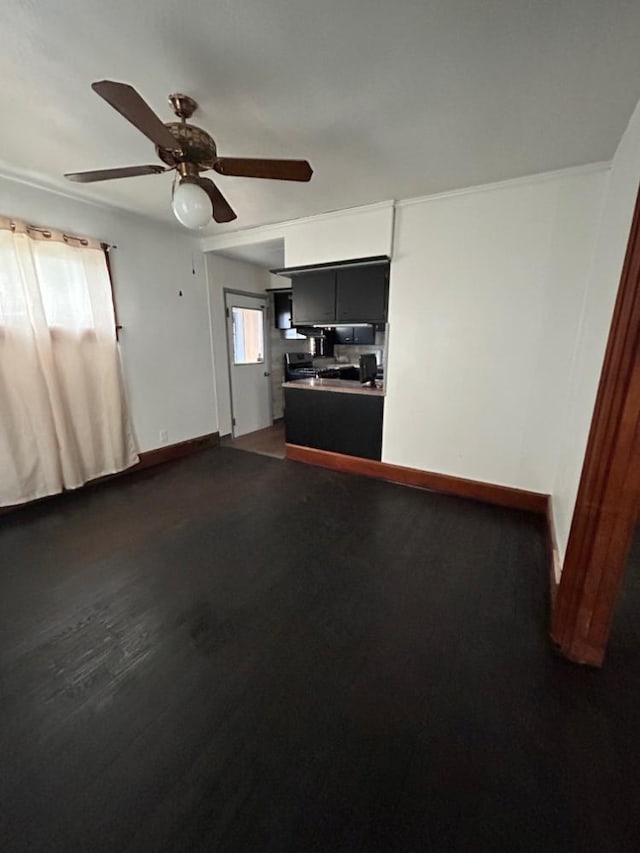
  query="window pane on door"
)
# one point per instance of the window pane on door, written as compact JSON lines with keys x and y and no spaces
{"x":248,"y":335}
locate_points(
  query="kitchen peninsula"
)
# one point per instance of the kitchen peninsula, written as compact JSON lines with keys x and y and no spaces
{"x":343,"y":306}
{"x":338,"y":415}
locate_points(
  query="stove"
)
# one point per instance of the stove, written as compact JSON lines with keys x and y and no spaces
{"x":298,"y":365}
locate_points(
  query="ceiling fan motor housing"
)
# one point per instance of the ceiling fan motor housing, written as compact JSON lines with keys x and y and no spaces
{"x":196,"y":146}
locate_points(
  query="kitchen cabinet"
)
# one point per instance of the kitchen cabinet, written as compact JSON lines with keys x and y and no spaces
{"x":361,"y":294}
{"x":330,"y":420}
{"x":355,"y":335}
{"x":314,"y":298}
{"x":349,"y":294}
{"x":282,"y":309}
{"x":364,"y":335}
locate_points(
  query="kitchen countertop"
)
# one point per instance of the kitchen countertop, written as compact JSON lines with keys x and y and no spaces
{"x":329,"y":364}
{"x":343,"y":386}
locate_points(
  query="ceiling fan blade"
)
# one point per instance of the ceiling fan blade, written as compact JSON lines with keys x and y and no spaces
{"x":278,"y":170}
{"x":110,"y":174}
{"x":222,"y":210}
{"x":130,"y":104}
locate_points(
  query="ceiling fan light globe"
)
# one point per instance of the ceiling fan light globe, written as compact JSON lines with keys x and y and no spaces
{"x":191,"y":206}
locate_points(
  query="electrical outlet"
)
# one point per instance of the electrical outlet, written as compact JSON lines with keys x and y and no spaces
{"x":164,"y":436}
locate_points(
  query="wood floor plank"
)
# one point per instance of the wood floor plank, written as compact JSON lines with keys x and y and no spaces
{"x":235,"y":653}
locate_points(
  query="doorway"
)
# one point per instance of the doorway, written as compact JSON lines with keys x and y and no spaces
{"x":249,"y":367}
{"x":264,"y":442}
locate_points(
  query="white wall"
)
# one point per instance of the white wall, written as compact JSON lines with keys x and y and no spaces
{"x":342,"y":236}
{"x":234,"y":275}
{"x":484,"y":287}
{"x":359,"y":232}
{"x":594,"y":322}
{"x":165,"y":341}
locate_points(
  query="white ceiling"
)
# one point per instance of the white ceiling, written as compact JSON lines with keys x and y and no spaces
{"x":386,"y":99}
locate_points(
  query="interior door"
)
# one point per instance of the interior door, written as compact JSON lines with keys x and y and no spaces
{"x":248,"y":363}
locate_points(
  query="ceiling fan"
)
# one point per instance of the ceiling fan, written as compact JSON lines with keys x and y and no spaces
{"x":189,"y":150}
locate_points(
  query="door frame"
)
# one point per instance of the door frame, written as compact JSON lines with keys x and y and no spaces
{"x":606,"y":510}
{"x":267,"y":344}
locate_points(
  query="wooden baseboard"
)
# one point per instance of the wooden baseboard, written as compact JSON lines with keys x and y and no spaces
{"x":148,"y":459}
{"x":476,"y":490}
{"x":169,"y":452}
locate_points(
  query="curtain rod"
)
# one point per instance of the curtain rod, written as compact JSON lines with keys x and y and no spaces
{"x":49,"y":233}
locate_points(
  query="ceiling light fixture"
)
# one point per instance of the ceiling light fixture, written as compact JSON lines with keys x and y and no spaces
{"x":191,"y":205}
{"x":188,"y":150}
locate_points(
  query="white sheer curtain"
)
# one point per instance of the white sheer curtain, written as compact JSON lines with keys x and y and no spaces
{"x":63,"y":418}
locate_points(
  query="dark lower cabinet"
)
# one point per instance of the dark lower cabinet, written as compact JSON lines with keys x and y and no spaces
{"x":335,"y":421}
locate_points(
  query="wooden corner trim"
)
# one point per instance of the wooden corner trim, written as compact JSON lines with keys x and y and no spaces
{"x":606,"y":507}
{"x":492,"y":493}
{"x":553,"y":553}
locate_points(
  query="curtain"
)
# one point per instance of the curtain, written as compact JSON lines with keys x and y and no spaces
{"x":63,"y":418}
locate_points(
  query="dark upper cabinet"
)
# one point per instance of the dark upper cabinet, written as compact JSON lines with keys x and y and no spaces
{"x":344,"y":335}
{"x":282,"y":309}
{"x":361,"y":294}
{"x":314,"y":297}
{"x":355,"y":335}
{"x":345,"y":295}
{"x":364,"y":335}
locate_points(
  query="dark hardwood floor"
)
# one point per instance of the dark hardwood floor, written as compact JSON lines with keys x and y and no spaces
{"x":235,"y":653}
